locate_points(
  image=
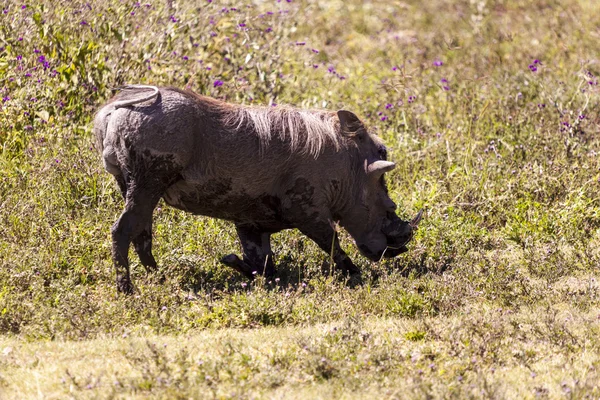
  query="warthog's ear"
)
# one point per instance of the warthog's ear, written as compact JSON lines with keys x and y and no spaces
{"x":349,"y":122}
{"x":379,"y":167}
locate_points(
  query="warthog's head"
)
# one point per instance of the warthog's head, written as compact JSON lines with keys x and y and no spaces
{"x":371,"y":219}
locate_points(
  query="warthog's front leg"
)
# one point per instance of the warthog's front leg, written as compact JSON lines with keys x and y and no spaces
{"x":257,"y":255}
{"x":323,"y":234}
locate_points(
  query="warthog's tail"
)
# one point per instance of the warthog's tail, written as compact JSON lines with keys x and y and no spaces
{"x":130,"y":102}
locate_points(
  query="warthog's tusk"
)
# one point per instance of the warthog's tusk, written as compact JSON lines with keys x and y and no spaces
{"x":414,"y":224}
{"x":125,"y":103}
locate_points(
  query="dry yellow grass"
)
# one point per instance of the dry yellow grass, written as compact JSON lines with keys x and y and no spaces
{"x":478,"y":352}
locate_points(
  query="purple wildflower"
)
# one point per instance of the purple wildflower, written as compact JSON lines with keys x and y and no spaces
{"x":315,"y":51}
{"x":581,"y":117}
{"x":185,"y":58}
{"x":241,"y":25}
{"x":532,"y":68}
{"x":384,"y":118}
{"x":5,"y":99}
{"x":218,"y":83}
{"x":411,"y":99}
{"x":300,"y":43}
{"x":438,"y":63}
{"x":173,"y":19}
{"x":388,"y":106}
{"x":23,"y":7}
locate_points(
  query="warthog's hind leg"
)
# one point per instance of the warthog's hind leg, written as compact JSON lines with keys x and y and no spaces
{"x":256,"y":247}
{"x":142,"y":242}
{"x":142,"y":193}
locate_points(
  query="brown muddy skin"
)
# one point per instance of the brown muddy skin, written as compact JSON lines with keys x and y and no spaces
{"x":185,"y":149}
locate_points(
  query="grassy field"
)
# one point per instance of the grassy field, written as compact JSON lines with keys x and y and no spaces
{"x":490,"y":110}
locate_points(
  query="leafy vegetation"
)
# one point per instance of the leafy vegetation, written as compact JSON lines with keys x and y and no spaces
{"x":489,"y":108}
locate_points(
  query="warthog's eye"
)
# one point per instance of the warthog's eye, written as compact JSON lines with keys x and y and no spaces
{"x":382,"y":152}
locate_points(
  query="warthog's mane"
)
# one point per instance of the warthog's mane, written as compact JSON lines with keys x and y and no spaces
{"x":306,"y":131}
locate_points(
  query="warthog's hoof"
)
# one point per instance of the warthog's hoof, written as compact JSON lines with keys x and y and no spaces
{"x":233,"y":261}
{"x":124,"y":285}
{"x":355,"y":279}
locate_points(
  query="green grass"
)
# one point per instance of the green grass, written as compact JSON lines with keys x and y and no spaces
{"x":497,"y":297}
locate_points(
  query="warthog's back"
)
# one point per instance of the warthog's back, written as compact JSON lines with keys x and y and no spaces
{"x":227,"y":168}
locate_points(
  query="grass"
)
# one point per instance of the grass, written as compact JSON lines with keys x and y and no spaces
{"x":480,"y":352}
{"x":490,"y":110}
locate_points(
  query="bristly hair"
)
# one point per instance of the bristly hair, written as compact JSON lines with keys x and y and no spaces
{"x":306,"y":131}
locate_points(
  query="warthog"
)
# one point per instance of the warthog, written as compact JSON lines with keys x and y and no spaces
{"x":264,"y":168}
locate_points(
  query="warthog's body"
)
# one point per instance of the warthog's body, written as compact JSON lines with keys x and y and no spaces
{"x":265,"y":169}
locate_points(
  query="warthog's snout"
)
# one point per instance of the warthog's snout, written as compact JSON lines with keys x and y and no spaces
{"x":399,"y":233}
